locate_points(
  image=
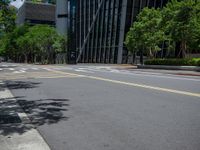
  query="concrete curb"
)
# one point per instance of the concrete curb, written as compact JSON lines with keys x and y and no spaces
{"x":28,"y":140}
{"x":187,"y":68}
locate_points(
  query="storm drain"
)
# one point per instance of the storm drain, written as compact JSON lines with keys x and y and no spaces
{"x":9,"y":118}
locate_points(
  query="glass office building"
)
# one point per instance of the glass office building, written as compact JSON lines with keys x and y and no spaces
{"x":98,"y":28}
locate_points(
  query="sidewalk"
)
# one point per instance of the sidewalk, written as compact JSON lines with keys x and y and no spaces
{"x":172,"y":70}
{"x":16,"y":131}
{"x":188,"y":68}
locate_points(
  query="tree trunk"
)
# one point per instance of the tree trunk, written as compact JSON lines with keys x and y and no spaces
{"x":133,"y":58}
{"x":150,"y":53}
{"x":183,"y":48}
{"x":26,"y":58}
{"x":35,"y":58}
{"x":141,"y":57}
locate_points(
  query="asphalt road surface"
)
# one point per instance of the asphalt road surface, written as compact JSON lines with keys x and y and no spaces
{"x":106,"y":107}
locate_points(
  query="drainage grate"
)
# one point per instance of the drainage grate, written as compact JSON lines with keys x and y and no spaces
{"x":9,"y":118}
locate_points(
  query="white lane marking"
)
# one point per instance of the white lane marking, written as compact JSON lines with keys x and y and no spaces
{"x":35,"y":68}
{"x":5,"y":65}
{"x":16,"y":72}
{"x":114,"y":70}
{"x":146,"y":74}
{"x":1,"y":69}
{"x":11,"y":69}
{"x":22,"y":71}
{"x":23,"y":68}
{"x":81,"y":70}
{"x":28,"y":140}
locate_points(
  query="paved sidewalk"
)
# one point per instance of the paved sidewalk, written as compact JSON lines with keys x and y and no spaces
{"x":187,"y":68}
{"x":160,"y":71}
{"x":171,"y":72}
{"x":16,"y":132}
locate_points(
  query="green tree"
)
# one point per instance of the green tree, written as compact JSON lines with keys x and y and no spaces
{"x":60,"y":44}
{"x":8,"y":43}
{"x":41,"y":42}
{"x":7,"y":24}
{"x":7,"y":17}
{"x":177,"y":24}
{"x":181,"y":23}
{"x":146,"y":34}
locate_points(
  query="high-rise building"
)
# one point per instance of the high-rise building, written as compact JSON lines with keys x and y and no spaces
{"x":97,"y":28}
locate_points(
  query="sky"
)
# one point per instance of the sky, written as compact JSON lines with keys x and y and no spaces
{"x":17,"y":3}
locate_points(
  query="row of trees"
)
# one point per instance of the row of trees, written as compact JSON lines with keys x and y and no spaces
{"x":39,"y":43}
{"x":175,"y":27}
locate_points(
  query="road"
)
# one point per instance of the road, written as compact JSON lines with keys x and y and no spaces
{"x":106,"y":107}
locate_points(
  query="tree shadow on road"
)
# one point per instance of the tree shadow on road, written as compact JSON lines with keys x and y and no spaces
{"x":39,"y":112}
{"x":13,"y":85}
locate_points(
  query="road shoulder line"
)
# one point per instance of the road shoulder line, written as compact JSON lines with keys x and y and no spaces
{"x":132,"y":84}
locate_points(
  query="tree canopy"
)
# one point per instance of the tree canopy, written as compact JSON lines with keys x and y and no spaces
{"x":30,"y":44}
{"x":7,"y":17}
{"x":145,"y":32}
{"x":178,"y":23}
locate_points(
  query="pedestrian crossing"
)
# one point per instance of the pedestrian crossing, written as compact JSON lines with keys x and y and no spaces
{"x":18,"y":70}
{"x":28,"y":70}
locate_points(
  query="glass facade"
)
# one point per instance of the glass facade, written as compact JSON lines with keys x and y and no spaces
{"x":101,"y":26}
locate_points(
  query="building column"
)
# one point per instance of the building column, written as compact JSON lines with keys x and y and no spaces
{"x":122,"y":30}
{"x":62,"y":17}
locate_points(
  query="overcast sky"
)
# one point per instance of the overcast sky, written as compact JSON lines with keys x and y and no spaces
{"x":17,"y":3}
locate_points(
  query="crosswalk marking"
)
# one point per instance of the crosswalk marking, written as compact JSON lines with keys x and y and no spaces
{"x":35,"y":68}
{"x":81,"y":70}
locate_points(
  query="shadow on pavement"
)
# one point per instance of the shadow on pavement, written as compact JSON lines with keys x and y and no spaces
{"x":40,"y":112}
{"x":21,"y":84}
{"x":8,"y":66}
{"x":12,"y":85}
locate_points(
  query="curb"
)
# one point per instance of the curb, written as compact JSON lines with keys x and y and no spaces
{"x":187,"y":68}
{"x":29,"y":139}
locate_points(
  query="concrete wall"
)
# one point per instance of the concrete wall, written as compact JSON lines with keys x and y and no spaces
{"x":62,"y":16}
{"x":21,"y":15}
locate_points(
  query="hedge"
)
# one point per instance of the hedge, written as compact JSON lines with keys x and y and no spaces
{"x":174,"y":62}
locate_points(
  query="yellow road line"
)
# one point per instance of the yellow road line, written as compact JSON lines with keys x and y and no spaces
{"x":133,"y":84}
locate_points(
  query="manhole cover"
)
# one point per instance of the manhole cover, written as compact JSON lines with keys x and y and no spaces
{"x":9,"y":118}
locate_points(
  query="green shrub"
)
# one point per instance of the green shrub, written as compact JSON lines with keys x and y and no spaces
{"x":174,"y":62}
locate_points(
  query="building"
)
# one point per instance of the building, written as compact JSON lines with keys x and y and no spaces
{"x":36,"y":13}
{"x":62,"y":16}
{"x":102,"y":26}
